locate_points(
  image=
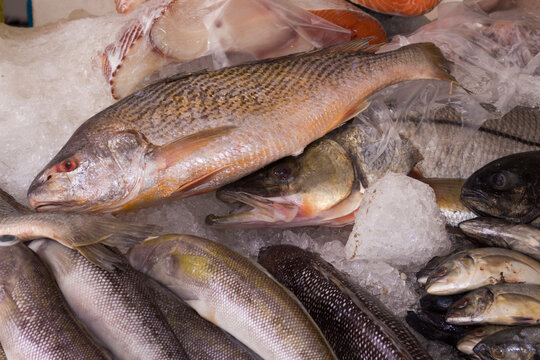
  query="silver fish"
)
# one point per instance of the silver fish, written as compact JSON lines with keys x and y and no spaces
{"x":230,"y":291}
{"x":115,"y":305}
{"x":471,"y":269}
{"x":502,"y":304}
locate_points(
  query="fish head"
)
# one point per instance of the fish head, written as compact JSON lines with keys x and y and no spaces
{"x":452,"y":275}
{"x":507,"y":188}
{"x":501,"y":347}
{"x":91,"y":173}
{"x":471,"y":307}
{"x":276,"y":258}
{"x":293,"y":191}
{"x":176,"y":261}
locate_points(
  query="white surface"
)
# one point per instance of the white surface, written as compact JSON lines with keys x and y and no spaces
{"x":49,"y":11}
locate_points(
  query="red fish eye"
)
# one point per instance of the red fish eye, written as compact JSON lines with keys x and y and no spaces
{"x":67,"y":166}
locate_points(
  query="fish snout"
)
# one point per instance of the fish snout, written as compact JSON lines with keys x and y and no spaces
{"x":36,"y":190}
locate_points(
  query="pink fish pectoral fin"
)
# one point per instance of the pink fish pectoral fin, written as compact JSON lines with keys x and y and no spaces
{"x":349,"y":114}
{"x":171,"y":153}
{"x":198,"y":181}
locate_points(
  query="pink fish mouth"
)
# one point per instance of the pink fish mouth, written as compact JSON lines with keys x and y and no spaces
{"x":256,"y":211}
{"x":282,"y":212}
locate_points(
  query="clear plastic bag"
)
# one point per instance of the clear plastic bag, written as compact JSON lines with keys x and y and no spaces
{"x":162,"y":32}
{"x":495,"y":55}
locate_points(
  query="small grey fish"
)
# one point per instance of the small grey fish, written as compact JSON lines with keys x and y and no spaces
{"x":234,"y":294}
{"x":471,"y":269}
{"x":502,"y":304}
{"x":474,"y":336}
{"x":201,"y":339}
{"x":501,"y":233}
{"x":36,"y":321}
{"x":88,"y":234}
{"x":514,"y":343}
{"x":116,"y":306}
{"x":357,"y":325}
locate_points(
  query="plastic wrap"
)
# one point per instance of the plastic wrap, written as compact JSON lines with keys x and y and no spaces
{"x":495,"y":55}
{"x":231,"y":31}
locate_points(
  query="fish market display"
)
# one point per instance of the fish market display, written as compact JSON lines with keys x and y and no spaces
{"x":201,"y":339}
{"x":399,"y":7}
{"x":471,"y":269}
{"x":36,"y":321}
{"x":501,"y":233}
{"x":114,"y":305}
{"x":356,"y":324}
{"x":317,"y":187}
{"x":508,"y":188}
{"x":514,"y":343}
{"x":502,"y":304}
{"x":473,"y":337}
{"x":88,"y":234}
{"x":322,"y":186}
{"x":228,"y":290}
{"x":140,"y":150}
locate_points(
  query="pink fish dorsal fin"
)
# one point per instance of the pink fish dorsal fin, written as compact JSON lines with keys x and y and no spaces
{"x":169,"y":154}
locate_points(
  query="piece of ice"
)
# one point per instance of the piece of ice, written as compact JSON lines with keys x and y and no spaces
{"x":398,"y":222}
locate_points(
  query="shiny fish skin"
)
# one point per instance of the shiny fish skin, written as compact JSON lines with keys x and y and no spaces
{"x":36,"y":321}
{"x":502,"y":304}
{"x":114,"y":305}
{"x":471,"y":269}
{"x":517,"y":131}
{"x":473,"y":337}
{"x":322,"y":186}
{"x":201,"y":339}
{"x":357,"y":325}
{"x":523,"y":238}
{"x":233,"y":293}
{"x":190,"y":134}
{"x":514,"y":343}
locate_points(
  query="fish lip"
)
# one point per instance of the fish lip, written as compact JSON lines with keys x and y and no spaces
{"x":471,"y":197}
{"x":257,"y":211}
{"x":58,"y":206}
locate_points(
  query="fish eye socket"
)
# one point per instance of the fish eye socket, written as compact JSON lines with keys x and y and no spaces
{"x":440,"y":271}
{"x":67,"y":166}
{"x":498,"y":180}
{"x":498,"y":352}
{"x":282,"y":172}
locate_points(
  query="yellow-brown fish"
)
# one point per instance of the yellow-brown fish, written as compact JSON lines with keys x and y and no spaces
{"x":193,"y":133}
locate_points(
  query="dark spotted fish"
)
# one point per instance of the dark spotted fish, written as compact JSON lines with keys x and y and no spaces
{"x":356,"y":324}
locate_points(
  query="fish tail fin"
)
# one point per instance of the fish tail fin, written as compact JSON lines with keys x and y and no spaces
{"x":439,"y":66}
{"x":109,"y":231}
{"x":447,"y":192}
{"x":102,"y":256}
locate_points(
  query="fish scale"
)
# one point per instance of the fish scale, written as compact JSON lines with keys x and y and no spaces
{"x":36,"y":321}
{"x":231,"y":292}
{"x":268,"y":110}
{"x":115,"y":305}
{"x":356,"y":324}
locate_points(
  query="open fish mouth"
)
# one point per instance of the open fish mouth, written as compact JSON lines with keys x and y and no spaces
{"x":256,"y":211}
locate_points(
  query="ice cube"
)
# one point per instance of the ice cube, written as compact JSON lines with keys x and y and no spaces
{"x":398,"y":222}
